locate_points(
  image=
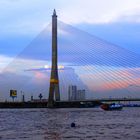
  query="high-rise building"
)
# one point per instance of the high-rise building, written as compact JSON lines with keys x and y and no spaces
{"x":74,"y":94}
{"x":72,"y":91}
{"x":80,"y":94}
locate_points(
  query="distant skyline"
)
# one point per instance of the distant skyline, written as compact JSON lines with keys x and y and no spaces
{"x":117,"y":22}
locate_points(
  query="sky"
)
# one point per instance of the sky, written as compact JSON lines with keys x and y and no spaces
{"x":102,"y":39}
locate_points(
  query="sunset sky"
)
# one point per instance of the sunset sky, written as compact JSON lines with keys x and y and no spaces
{"x":98,"y":42}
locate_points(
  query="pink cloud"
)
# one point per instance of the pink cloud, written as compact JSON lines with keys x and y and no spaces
{"x":111,"y":79}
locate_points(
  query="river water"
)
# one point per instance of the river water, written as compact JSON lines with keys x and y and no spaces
{"x":55,"y":124}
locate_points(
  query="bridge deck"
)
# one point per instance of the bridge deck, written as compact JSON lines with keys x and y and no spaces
{"x":63,"y":104}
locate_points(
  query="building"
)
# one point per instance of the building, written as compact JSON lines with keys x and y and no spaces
{"x":72,"y":90}
{"x":80,"y":94}
{"x":74,"y":94}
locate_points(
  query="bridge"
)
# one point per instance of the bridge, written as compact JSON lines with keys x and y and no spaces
{"x":90,"y":63}
{"x":107,"y":100}
{"x":66,"y":104}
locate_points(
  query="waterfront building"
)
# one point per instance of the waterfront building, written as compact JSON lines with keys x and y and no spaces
{"x":80,"y":94}
{"x":75,"y":94}
{"x":72,"y":90}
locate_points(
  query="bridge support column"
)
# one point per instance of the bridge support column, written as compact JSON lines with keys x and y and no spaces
{"x":54,"y":93}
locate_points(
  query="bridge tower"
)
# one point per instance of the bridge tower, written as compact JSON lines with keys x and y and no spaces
{"x":54,"y":93}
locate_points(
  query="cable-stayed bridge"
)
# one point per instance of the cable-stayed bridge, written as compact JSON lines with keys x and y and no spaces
{"x":101,"y":68}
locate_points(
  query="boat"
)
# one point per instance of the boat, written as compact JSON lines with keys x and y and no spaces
{"x":112,"y":106}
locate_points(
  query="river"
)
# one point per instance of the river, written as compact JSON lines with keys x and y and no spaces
{"x":55,"y":124}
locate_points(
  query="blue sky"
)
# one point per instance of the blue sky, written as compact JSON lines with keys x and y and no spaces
{"x":116,"y":21}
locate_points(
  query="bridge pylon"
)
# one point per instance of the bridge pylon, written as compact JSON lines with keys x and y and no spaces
{"x":54,"y":92}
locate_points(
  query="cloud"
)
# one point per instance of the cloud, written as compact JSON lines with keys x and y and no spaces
{"x":79,"y":48}
{"x":36,"y":14}
{"x":36,"y":81}
{"x":33,"y":77}
{"x":98,"y":11}
{"x":129,"y":18}
{"x":126,"y":35}
{"x":21,"y":19}
{"x":48,"y":68}
{"x":106,"y":80}
{"x":4,"y":62}
{"x":96,"y":79}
